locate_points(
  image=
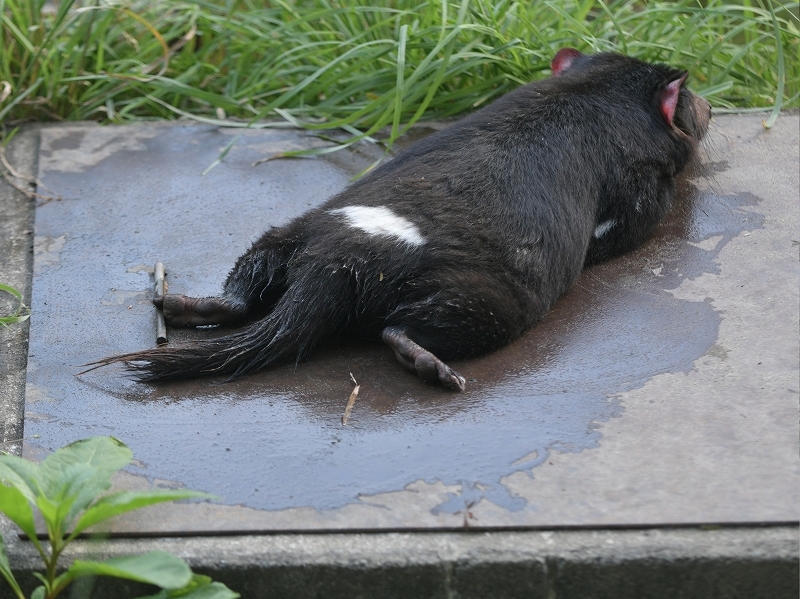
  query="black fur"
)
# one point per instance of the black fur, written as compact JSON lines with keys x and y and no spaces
{"x":508,"y":201}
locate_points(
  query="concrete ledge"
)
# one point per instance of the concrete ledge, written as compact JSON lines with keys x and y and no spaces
{"x":16,"y":270}
{"x":752,"y":562}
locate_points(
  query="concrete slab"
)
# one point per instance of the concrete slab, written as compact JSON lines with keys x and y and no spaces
{"x":662,"y":390}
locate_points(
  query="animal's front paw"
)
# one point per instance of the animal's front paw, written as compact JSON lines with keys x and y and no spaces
{"x":174,"y":308}
{"x":183,"y":311}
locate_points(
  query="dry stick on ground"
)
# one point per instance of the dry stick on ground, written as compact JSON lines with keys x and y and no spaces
{"x":351,"y":402}
{"x":10,"y":173}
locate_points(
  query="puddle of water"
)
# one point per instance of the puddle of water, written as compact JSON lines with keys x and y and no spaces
{"x":274,"y":440}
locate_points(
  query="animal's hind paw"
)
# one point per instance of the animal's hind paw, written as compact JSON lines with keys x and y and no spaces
{"x":431,"y":369}
{"x":417,"y":359}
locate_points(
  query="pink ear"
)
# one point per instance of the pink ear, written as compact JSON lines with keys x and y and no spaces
{"x":669,"y":98}
{"x":563,"y":60}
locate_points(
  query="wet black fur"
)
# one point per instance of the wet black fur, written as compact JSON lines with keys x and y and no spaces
{"x":507,"y":199}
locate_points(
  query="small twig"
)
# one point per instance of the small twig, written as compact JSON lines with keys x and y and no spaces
{"x":12,"y":441}
{"x":10,"y":173}
{"x":351,"y":402}
{"x":468,"y":515}
{"x":28,"y":193}
{"x":159,"y":288}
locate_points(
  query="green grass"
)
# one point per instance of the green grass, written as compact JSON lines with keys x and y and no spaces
{"x":18,"y":315}
{"x":364,"y":64}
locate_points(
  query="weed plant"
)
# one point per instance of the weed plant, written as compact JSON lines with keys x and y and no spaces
{"x":19,"y":314}
{"x":69,"y":490}
{"x":364,"y":64}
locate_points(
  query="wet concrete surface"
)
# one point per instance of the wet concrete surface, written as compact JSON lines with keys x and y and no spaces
{"x":272,"y":445}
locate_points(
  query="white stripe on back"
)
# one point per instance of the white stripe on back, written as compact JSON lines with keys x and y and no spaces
{"x":381,"y":221}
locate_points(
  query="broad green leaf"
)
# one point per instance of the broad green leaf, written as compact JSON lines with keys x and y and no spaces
{"x":14,"y":504}
{"x":200,"y":587}
{"x":126,"y":501}
{"x":22,"y":474}
{"x":156,"y":567}
{"x":82,"y":470}
{"x":38,"y":593}
{"x":105,"y":454}
{"x":82,"y":484}
{"x":5,"y":570}
{"x":79,"y":479}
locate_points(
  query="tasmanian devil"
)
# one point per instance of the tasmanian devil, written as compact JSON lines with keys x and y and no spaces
{"x":466,"y":239}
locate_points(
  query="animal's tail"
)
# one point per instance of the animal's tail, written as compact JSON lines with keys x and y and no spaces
{"x":313,"y":307}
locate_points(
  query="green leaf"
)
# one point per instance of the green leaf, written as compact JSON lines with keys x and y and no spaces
{"x":105,"y":454}
{"x":126,"y":501}
{"x":5,"y":570}
{"x":221,"y":156}
{"x":22,"y":475}
{"x":15,"y":505}
{"x":8,"y":320}
{"x":776,"y":109}
{"x":156,"y":567}
{"x":81,"y":471}
{"x":38,"y":593}
{"x":215,"y":590}
{"x":9,"y":289}
{"x":79,"y":480}
{"x":200,"y":587}
{"x":15,"y":317}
